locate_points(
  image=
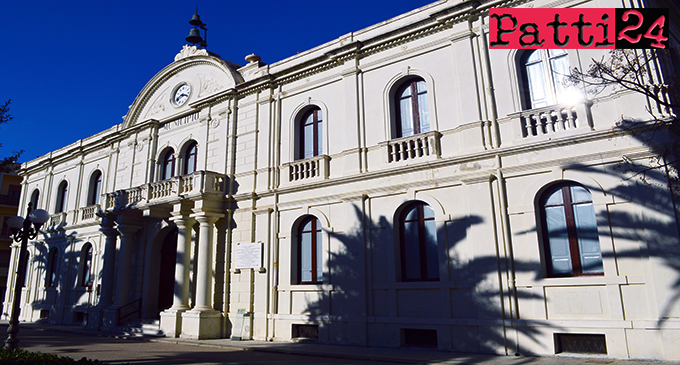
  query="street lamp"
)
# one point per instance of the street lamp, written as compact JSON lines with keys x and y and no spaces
{"x":22,"y":232}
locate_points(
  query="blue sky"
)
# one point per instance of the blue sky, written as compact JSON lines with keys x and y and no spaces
{"x":72,"y":68}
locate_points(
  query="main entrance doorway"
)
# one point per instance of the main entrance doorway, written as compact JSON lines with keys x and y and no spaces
{"x":166,"y":280}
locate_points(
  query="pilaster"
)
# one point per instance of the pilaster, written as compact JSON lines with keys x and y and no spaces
{"x":112,"y":314}
{"x":95,"y":317}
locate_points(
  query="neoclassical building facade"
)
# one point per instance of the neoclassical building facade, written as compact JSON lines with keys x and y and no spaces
{"x":403,"y":185}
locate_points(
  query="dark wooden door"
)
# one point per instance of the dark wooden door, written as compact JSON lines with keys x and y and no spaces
{"x":166,"y":282}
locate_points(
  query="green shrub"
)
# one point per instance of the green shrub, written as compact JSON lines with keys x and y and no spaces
{"x":23,"y":357}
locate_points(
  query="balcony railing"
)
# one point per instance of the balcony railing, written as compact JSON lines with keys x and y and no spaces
{"x":88,"y":213}
{"x":310,"y":168}
{"x":551,"y":121}
{"x":57,"y":220}
{"x":199,"y":182}
{"x":419,"y":146}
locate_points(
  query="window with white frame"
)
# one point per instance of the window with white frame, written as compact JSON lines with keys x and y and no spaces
{"x":418,"y":243}
{"x":62,"y":197}
{"x":52,"y":262}
{"x":309,"y":247}
{"x":310,"y":134}
{"x":167,"y":164}
{"x":35,"y":196}
{"x":85,"y":273}
{"x":189,"y":158}
{"x":570,"y":238}
{"x":544,"y":75}
{"x":411,"y":107}
{"x":94,"y":188}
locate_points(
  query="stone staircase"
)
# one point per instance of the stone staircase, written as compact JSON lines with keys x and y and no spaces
{"x":142,"y":327}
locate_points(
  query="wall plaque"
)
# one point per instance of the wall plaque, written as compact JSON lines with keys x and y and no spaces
{"x":248,"y":255}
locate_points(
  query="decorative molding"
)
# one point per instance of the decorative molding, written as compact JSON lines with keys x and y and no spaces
{"x":157,"y":107}
{"x":190,"y":51}
{"x":208,"y":85}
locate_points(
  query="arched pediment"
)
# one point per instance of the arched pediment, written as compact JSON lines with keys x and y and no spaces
{"x":204,"y":74}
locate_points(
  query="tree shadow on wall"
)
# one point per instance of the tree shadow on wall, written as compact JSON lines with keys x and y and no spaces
{"x":466,"y":310}
{"x":53,"y":287}
{"x":638,"y":230}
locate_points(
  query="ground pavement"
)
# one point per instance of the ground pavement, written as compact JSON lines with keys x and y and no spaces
{"x":74,"y":342}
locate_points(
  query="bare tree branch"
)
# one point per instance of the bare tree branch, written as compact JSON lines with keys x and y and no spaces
{"x":8,"y":164}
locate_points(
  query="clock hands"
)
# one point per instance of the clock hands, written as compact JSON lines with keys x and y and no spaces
{"x":182,"y":94}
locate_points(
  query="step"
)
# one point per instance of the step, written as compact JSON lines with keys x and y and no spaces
{"x":143,"y":327}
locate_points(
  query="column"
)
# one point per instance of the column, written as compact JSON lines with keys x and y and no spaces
{"x":203,"y":322}
{"x":108,"y":262}
{"x":204,"y":264}
{"x":181,"y":299}
{"x":123,"y":277}
{"x":111,"y":315}
{"x":96,"y":313}
{"x":171,"y":318}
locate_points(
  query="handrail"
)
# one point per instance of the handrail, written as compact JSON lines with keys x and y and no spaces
{"x":138,"y":310}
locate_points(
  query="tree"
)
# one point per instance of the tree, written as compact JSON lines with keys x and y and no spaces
{"x":652,"y":73}
{"x":8,"y":164}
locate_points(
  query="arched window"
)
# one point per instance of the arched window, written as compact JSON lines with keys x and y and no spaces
{"x":571,"y":243}
{"x":95,"y":188}
{"x":35,"y":196}
{"x":168,"y":164}
{"x":51,"y":275}
{"x":544,"y":73}
{"x":85,"y":272}
{"x":190,"y":157}
{"x":311,"y":134}
{"x":411,"y":108}
{"x":418,"y":243}
{"x":309,"y":252}
{"x":62,"y":197}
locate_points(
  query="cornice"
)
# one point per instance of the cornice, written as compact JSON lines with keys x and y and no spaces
{"x":357,"y":50}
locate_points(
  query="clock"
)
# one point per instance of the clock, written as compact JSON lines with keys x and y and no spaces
{"x":181,"y":94}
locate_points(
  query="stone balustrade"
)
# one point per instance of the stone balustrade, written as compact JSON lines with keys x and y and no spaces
{"x":311,"y":168}
{"x":419,"y":146}
{"x":199,"y":182}
{"x":88,"y":213}
{"x":57,"y":219}
{"x":550,"y":121}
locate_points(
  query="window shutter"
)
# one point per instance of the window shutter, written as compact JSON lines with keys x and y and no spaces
{"x":589,"y":245}
{"x":559,"y":240}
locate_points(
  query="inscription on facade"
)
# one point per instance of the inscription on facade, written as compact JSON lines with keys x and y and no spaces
{"x":248,"y":256}
{"x":178,"y":122}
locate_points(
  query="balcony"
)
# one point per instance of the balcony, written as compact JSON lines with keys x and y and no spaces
{"x":423,"y":146}
{"x":56,"y":221}
{"x":315,"y":168}
{"x":550,"y":122}
{"x":88,"y":213}
{"x":198,"y":183}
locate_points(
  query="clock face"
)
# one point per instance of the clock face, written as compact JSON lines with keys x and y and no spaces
{"x":181,"y":94}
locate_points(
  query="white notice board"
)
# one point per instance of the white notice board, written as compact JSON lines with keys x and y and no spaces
{"x":248,"y":255}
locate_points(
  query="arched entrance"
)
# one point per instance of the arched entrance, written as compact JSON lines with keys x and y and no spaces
{"x":166,"y":277}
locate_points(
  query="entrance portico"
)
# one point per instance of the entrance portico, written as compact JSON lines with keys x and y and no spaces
{"x":183,"y":201}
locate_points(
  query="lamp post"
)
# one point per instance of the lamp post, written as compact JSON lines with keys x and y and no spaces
{"x":22,"y":232}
